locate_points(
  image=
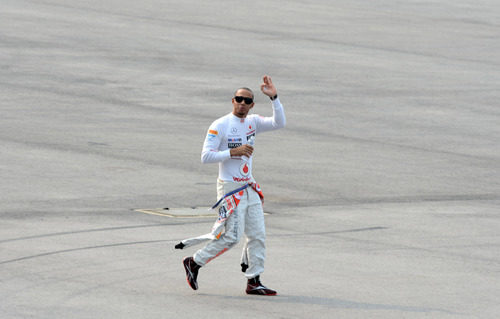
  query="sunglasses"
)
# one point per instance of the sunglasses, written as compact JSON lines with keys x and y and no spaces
{"x":239,"y":99}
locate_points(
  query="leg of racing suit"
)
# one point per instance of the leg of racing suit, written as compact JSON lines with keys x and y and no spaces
{"x":234,"y":228}
{"x":249,"y":218}
{"x":254,"y":249}
{"x":256,"y":234}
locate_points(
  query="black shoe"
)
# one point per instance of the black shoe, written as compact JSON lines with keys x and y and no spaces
{"x":255,"y":287}
{"x":191,"y":268}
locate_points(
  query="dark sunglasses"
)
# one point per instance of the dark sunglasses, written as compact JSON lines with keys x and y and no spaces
{"x":239,"y":99}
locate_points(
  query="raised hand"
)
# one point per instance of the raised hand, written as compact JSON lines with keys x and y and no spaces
{"x":268,"y":87}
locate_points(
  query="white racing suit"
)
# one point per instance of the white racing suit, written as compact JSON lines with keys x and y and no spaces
{"x":247,"y":218}
{"x":225,"y":133}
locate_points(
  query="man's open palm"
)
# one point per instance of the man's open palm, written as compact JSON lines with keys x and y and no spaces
{"x":268,"y":87}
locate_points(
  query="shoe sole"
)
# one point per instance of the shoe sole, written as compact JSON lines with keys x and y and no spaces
{"x":259,"y":294}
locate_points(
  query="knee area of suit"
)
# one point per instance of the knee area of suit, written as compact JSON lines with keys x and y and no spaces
{"x":231,"y":241}
{"x":257,"y":236}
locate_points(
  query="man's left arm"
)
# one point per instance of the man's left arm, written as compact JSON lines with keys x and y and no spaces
{"x":278,"y":120}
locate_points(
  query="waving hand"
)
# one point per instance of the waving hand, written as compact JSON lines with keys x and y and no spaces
{"x":268,"y":87}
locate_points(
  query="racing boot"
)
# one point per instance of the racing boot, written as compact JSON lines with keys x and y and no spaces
{"x":255,"y":287}
{"x":191,"y":268}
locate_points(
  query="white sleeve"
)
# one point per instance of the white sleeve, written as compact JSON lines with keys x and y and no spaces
{"x":277,"y":121}
{"x":210,"y":152}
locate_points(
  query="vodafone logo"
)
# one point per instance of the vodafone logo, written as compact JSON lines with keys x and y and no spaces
{"x":244,"y":169}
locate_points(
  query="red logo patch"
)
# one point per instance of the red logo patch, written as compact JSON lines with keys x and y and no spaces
{"x":244,"y":169}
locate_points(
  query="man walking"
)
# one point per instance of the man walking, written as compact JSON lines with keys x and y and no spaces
{"x":229,"y":142}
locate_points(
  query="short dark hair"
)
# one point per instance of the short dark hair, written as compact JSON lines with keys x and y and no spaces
{"x":244,"y":88}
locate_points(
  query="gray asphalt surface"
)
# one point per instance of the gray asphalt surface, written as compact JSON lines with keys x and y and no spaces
{"x":383,"y":190}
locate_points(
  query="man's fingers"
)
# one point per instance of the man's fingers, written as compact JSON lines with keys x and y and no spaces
{"x":243,"y":150}
{"x":248,"y":149}
{"x":268,"y":87}
{"x":267,"y":80}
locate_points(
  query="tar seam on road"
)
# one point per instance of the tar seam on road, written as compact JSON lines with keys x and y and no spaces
{"x":85,"y":248}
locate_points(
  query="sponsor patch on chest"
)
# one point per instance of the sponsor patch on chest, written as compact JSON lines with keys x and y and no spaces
{"x":234,"y":142}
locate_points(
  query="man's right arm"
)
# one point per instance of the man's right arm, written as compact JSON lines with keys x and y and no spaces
{"x":210,"y":152}
{"x":211,"y":148}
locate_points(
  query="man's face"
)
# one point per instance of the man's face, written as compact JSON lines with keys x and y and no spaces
{"x":240,"y":109}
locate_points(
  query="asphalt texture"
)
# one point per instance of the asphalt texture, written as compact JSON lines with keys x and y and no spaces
{"x":383,"y":190}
